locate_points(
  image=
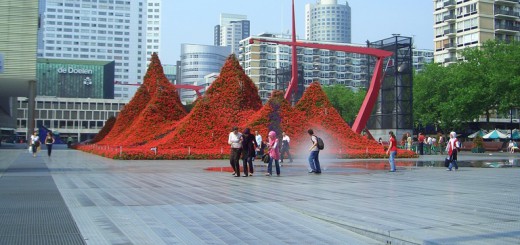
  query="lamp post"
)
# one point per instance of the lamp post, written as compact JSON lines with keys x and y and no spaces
{"x":511,"y":124}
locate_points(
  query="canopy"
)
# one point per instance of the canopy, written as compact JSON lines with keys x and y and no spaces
{"x":481,"y":132}
{"x":495,"y":134}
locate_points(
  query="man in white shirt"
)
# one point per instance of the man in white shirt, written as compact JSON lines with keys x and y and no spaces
{"x":285,"y":147}
{"x":235,"y":141}
{"x":260,"y":148}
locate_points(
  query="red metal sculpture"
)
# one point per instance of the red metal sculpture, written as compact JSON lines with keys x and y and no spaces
{"x":191,"y":87}
{"x":375,"y":82}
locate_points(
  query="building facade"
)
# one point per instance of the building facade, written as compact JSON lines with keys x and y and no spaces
{"x":328,"y":21}
{"x":469,"y":23}
{"x":198,"y":61}
{"x":18,"y":42}
{"x":420,"y":58}
{"x":153,"y":29}
{"x":232,"y":29}
{"x":78,"y":118}
{"x":125,"y":91}
{"x":75,"y":78}
{"x":108,"y":30}
{"x":263,"y":62}
{"x":170,"y":71}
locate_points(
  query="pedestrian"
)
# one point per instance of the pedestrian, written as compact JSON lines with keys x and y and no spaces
{"x":420,"y":139}
{"x":274,"y":154}
{"x":404,"y":141}
{"x":235,"y":141}
{"x":433,"y":145}
{"x":49,"y":140}
{"x":392,"y":151}
{"x":248,"y":151}
{"x":285,"y":147}
{"x":409,"y":141}
{"x":261,"y":145}
{"x":442,"y":143}
{"x":430,"y":144}
{"x":35,"y":143}
{"x":69,"y":142}
{"x":314,"y":161}
{"x":453,"y":149}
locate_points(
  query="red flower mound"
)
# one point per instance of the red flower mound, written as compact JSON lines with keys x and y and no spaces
{"x":230,"y":100}
{"x":109,"y":124}
{"x":328,"y":125}
{"x":164,"y":109}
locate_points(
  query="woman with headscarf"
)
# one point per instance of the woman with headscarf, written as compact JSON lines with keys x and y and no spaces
{"x":274,"y":154}
{"x":248,"y":151}
{"x":453,"y":148}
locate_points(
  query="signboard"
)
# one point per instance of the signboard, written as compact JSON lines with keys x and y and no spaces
{"x":72,"y":70}
{"x":2,"y":63}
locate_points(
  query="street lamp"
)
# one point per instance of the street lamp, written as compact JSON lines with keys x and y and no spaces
{"x":511,"y":124}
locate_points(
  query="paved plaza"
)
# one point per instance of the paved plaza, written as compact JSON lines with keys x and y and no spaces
{"x":78,"y":198}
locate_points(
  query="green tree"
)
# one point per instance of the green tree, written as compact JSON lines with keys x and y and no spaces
{"x":486,"y":80}
{"x":345,"y":101}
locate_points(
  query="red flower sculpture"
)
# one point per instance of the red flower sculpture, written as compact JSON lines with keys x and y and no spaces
{"x":155,"y":119}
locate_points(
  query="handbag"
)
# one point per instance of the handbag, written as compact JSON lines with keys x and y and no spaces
{"x":266,"y":158}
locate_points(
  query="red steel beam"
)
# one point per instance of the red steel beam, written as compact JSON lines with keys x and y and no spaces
{"x":190,"y":87}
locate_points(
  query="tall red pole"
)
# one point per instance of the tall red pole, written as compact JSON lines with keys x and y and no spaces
{"x":375,"y":83}
{"x":293,"y":85}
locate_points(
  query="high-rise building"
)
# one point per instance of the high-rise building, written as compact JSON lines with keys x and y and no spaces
{"x":197,"y":61}
{"x":328,"y":21}
{"x":18,"y":42}
{"x":153,"y":28}
{"x":264,"y":62}
{"x":110,"y":30}
{"x":232,"y":29}
{"x":469,"y":23}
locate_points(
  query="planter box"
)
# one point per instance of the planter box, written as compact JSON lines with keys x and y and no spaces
{"x":478,"y":150}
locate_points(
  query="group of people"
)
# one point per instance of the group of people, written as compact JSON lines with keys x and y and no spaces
{"x":432,"y":143}
{"x":36,"y":143}
{"x":512,"y":146}
{"x":452,"y":148}
{"x":247,"y":147}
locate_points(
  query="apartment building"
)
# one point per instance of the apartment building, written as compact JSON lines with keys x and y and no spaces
{"x":468,"y":23}
{"x":264,"y":61}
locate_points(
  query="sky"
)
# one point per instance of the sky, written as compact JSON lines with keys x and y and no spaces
{"x":192,"y":21}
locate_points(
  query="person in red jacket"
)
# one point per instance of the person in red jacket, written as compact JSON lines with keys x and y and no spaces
{"x":392,"y":151}
{"x":420,"y":139}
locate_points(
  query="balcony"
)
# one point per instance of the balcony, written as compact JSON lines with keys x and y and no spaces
{"x":510,"y":2}
{"x":507,"y":14}
{"x":507,"y":28}
{"x":450,"y":32}
{"x":449,"y":4}
{"x":450,"y":46}
{"x":450,"y":17}
{"x":450,"y":60}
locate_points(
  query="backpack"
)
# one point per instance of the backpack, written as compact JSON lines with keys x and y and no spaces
{"x":320,"y":144}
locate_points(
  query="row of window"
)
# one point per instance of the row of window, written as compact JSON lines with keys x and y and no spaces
{"x":64,"y":124}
